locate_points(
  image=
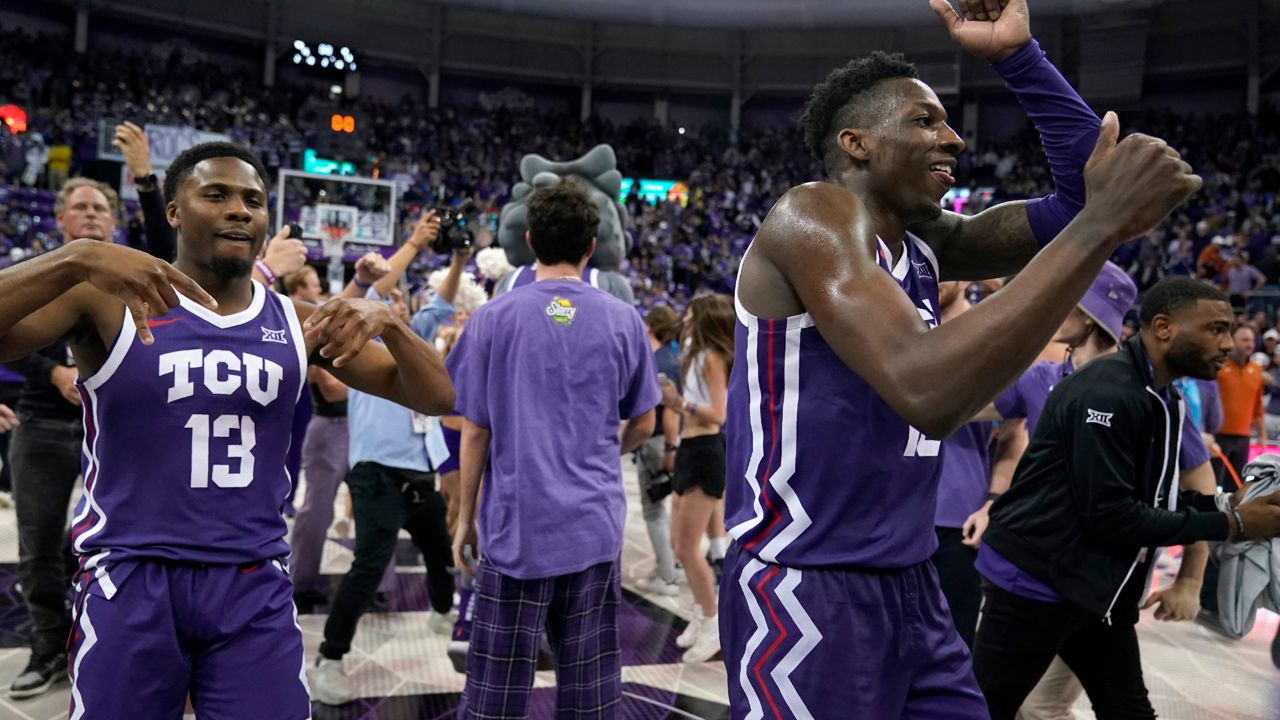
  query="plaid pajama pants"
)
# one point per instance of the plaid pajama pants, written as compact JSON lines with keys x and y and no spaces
{"x":579,"y":613}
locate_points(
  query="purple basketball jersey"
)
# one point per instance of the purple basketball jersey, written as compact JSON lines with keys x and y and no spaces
{"x":821,"y":471}
{"x":185,"y":439}
{"x":524,"y":275}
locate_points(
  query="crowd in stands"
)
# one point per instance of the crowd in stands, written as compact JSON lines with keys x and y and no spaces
{"x":1228,"y":233}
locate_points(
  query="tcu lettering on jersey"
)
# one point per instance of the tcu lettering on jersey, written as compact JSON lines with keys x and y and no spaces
{"x":223,"y":373}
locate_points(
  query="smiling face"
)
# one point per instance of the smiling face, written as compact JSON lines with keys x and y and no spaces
{"x":220,"y":213}
{"x":910,"y":151}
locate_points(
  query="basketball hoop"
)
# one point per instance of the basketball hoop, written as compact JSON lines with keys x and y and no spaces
{"x":337,"y":226}
{"x":334,"y":240}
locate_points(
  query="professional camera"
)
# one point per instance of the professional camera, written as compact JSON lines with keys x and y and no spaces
{"x":457,"y":228}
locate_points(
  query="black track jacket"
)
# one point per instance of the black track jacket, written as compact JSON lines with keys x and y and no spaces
{"x":1096,"y":490}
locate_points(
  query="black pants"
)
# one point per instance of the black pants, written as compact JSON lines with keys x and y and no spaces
{"x":1236,"y":448}
{"x":960,"y":581}
{"x":1018,"y":638}
{"x":380,"y":511}
{"x":46,"y":463}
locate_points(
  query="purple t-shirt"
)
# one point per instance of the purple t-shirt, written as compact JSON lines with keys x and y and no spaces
{"x":1009,"y":577}
{"x":551,"y":369}
{"x":1025,"y":397}
{"x":965,"y":478}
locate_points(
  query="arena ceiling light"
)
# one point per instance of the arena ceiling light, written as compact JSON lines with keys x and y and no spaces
{"x":324,"y":55}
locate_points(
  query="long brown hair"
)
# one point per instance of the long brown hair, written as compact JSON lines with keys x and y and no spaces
{"x":710,"y":330}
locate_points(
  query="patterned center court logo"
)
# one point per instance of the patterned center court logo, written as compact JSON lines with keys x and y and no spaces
{"x":1099,"y":418}
{"x":561,"y":311}
{"x":275,"y":336}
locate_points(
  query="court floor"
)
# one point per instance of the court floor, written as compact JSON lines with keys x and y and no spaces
{"x":401,"y":672}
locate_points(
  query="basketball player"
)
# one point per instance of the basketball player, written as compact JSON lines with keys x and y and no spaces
{"x":842,"y":385}
{"x":187,"y":401}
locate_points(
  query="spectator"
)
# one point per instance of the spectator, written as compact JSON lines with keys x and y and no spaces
{"x":1241,"y":279}
{"x":1240,"y":387}
{"x":552,"y":512}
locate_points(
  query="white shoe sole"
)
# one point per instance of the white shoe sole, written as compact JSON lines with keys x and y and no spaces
{"x":34,"y":691}
{"x":691,"y":658}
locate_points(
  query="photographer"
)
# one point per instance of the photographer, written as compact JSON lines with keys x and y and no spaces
{"x":394,"y":454}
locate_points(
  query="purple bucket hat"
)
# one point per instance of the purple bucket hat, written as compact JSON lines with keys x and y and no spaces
{"x":1109,"y":298}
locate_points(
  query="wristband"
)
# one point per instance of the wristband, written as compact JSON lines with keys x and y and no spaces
{"x":690,"y":408}
{"x":362,"y":286}
{"x":993,"y":496}
{"x":1239,"y":523}
{"x":266,"y":271}
{"x":670,"y":448}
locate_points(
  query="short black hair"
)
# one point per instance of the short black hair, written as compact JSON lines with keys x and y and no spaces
{"x":1174,"y":293}
{"x":562,"y":221}
{"x":181,"y":167}
{"x":841,"y":99}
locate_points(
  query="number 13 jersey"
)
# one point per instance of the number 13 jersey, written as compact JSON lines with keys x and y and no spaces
{"x":185,"y":439}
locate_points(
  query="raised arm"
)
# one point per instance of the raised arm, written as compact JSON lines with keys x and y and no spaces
{"x":1001,"y":240}
{"x":131,"y":141}
{"x":819,"y":240}
{"x":424,"y":233}
{"x":370,"y":268}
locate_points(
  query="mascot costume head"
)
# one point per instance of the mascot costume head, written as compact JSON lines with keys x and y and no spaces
{"x":597,"y":171}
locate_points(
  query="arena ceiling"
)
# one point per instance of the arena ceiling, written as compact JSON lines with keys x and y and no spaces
{"x":766,"y":13}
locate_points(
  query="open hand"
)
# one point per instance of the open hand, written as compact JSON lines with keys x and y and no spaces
{"x":131,"y":141}
{"x":343,"y":326}
{"x":148,"y":286}
{"x":1180,"y":601}
{"x":989,"y":29}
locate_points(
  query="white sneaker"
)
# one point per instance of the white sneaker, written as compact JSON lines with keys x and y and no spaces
{"x":691,"y":633}
{"x":329,"y":682}
{"x":441,"y":623}
{"x":706,"y":645}
{"x":653,"y":585}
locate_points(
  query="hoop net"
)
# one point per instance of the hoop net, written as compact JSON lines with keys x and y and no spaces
{"x":334,"y":240}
